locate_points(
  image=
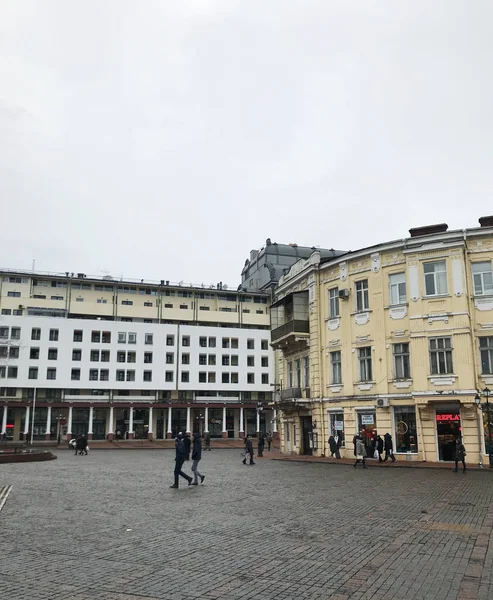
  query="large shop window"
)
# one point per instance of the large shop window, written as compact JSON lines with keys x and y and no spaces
{"x":337,"y":426}
{"x":406,"y":434}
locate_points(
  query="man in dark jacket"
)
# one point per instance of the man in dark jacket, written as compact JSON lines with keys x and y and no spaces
{"x":260,"y":444}
{"x":179,"y":460}
{"x":188,"y":444}
{"x":248,"y":450}
{"x":379,"y":447}
{"x":388,"y":447}
{"x":460,"y":455}
{"x":196,"y":456}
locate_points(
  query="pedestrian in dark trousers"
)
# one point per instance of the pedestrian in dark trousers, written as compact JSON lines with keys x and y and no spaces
{"x":188,"y":445}
{"x":196,"y":456}
{"x":179,"y":460}
{"x":460,"y":455}
{"x":207,"y":440}
{"x":379,"y":447}
{"x":388,"y":447}
{"x":260,"y":445}
{"x":248,"y":450}
{"x":269,"y":440}
{"x":360,"y":451}
{"x":334,"y":445}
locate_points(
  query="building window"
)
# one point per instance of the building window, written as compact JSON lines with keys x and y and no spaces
{"x":364,"y":358}
{"x":14,"y":294}
{"x":225,"y":342}
{"x":435,"y":278}
{"x":4,"y":351}
{"x":4,"y":332}
{"x":297,"y":364}
{"x":234,"y":360}
{"x":483,"y":281}
{"x":147,"y":375}
{"x":120,"y":375}
{"x":121,"y":357}
{"x":202,"y":377}
{"x":225,"y":360}
{"x":406,"y":433}
{"x":147,"y":357}
{"x":148,"y":304}
{"x":202,"y":359}
{"x":264,"y":361}
{"x":486,"y":351}
{"x":106,"y":337}
{"x":170,"y":340}
{"x":130,"y":375}
{"x":306,"y":368}
{"x":397,"y":286}
{"x":212,"y":342}
{"x":362,"y":298}
{"x":131,"y":357}
{"x":441,"y":356}
{"x":211,"y":377}
{"x":290,"y":374}
{"x":127,"y":302}
{"x":250,"y":344}
{"x":122,"y":337}
{"x":76,"y":354}
{"x":95,"y":337}
{"x":75,"y":375}
{"x":94,"y":355}
{"x":33,"y":372}
{"x":170,"y":358}
{"x":34,"y":353}
{"x":234,"y":377}
{"x":185,"y":377}
{"x":6,"y":311}
{"x":93,"y":375}
{"x":104,"y":375}
{"x":211,"y":360}
{"x":14,"y":352}
{"x":149,"y":338}
{"x":203,"y":342}
{"x":132,"y":338}
{"x":105,"y":356}
{"x":250,"y":361}
{"x":51,"y":374}
{"x":265,"y":378}
{"x":185,"y":359}
{"x":225,"y":378}
{"x":78,"y":335}
{"x":185,"y":340}
{"x":35,"y":333}
{"x":333,"y":303}
{"x":402,"y":365}
{"x":234,"y":343}
{"x":335,"y":367}
{"x":337,"y":426}
{"x":250,"y":377}
{"x":168,"y":377}
{"x":264,"y":344}
{"x":52,"y":353}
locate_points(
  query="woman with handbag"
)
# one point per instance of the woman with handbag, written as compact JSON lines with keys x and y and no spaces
{"x":460,"y":455}
{"x":360,"y":450}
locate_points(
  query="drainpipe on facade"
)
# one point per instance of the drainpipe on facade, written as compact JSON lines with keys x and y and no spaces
{"x":472,"y":325}
{"x":321,"y":365}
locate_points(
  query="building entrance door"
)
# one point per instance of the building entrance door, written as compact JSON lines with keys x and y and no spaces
{"x":367,"y":425}
{"x":448,"y":430}
{"x":306,"y":435}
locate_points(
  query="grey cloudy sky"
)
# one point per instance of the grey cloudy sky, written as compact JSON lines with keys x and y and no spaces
{"x":165,"y":139}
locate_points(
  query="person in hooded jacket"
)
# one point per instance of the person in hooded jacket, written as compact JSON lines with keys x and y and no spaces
{"x":179,"y":460}
{"x":388,"y":447}
{"x":196,"y":456}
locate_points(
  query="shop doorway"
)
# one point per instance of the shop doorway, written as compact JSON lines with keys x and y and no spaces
{"x":367,"y":426}
{"x":448,"y":430}
{"x":306,"y":435}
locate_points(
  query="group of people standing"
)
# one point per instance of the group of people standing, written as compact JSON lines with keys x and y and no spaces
{"x":378,"y":446}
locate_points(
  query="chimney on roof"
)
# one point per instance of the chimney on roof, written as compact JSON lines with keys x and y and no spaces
{"x":486,"y":221}
{"x":428,"y":230}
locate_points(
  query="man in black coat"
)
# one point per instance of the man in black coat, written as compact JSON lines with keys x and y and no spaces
{"x":179,"y":460}
{"x":248,"y":450}
{"x":188,"y":444}
{"x":388,"y":447}
{"x":196,"y":457}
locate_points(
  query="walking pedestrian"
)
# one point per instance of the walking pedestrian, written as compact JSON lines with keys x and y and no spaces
{"x":460,"y":455}
{"x":379,"y":447}
{"x":389,"y":447}
{"x":196,"y":456}
{"x":179,"y":460}
{"x":260,"y":445}
{"x":188,"y":445}
{"x":360,"y":451}
{"x":269,"y":440}
{"x":248,"y":450}
{"x":334,"y":445}
{"x":207,"y":440}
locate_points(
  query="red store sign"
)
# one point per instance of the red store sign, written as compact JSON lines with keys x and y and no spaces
{"x":449,"y":417}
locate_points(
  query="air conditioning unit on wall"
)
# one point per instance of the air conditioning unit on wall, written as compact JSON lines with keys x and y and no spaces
{"x":383,"y":403}
{"x":343,"y":294}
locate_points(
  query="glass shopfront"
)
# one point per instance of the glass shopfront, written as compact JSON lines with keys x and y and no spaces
{"x":337,"y":426}
{"x":406,"y":434}
{"x":141,"y":423}
{"x":80,"y":421}
{"x":449,"y":428}
{"x":367,"y":426}
{"x":99,"y":423}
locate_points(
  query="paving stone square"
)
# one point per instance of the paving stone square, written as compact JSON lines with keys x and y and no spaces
{"x":107,"y":526}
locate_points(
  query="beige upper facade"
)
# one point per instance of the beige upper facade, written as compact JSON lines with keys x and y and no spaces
{"x":402,"y":324}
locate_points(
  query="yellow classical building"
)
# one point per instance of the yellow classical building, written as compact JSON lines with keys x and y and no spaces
{"x":396,"y":338}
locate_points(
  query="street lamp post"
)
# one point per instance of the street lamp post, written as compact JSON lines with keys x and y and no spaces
{"x":486,"y":393}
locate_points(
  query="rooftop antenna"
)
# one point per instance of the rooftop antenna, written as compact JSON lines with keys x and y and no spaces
{"x":34,"y":263}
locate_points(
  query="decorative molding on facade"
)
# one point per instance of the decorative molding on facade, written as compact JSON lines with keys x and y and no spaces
{"x":375,"y":262}
{"x":393,"y":263}
{"x":398,"y":312}
{"x":362,"y":318}
{"x":487,"y":379}
{"x":335,"y":343}
{"x":333,"y":324}
{"x":436,"y":318}
{"x":483,"y":304}
{"x":400,"y":333}
{"x":335,"y":388}
{"x":363,"y":339}
{"x":365,"y":386}
{"x":343,"y":271}
{"x":486,"y":325}
{"x":442,"y":379}
{"x":403,"y":384}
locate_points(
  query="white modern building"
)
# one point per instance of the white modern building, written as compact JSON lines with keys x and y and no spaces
{"x":125,"y":359}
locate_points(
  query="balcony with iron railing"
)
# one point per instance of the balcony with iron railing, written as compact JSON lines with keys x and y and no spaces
{"x":294,"y":327}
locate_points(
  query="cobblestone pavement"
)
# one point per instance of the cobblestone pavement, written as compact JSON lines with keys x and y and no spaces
{"x":108,"y":527}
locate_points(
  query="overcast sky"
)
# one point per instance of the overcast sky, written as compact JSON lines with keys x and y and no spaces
{"x":166,"y":138}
